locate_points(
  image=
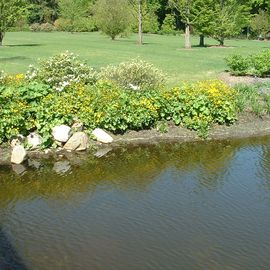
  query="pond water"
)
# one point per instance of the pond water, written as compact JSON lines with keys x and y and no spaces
{"x":166,"y":206}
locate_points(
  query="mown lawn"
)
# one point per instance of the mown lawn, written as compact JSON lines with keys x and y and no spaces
{"x":167,"y":52}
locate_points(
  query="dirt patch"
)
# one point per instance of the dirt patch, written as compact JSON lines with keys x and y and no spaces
{"x":233,"y":80}
{"x":248,"y":125}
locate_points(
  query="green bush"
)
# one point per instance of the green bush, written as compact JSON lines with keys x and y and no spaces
{"x":135,"y":74}
{"x":28,"y":106}
{"x":44,"y":27}
{"x":62,"y":70}
{"x":254,"y":65}
{"x":169,"y":25}
{"x":79,"y":25}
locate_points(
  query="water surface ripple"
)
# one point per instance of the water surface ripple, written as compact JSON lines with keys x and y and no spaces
{"x":166,"y":206}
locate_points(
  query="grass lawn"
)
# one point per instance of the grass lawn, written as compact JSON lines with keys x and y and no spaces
{"x":166,"y":52}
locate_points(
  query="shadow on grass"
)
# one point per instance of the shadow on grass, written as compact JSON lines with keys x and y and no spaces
{"x":24,"y":45}
{"x":9,"y":258}
{"x":14,"y":58}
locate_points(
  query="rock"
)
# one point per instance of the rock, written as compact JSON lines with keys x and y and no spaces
{"x":19,"y":169}
{"x":18,"y":154}
{"x":61,"y":166}
{"x":34,"y":140}
{"x":61,"y":133}
{"x":5,"y":156}
{"x":78,"y":142}
{"x":17,"y":140}
{"x":103,"y":152}
{"x":102,"y":136}
{"x":34,"y":163}
{"x":77,"y":126}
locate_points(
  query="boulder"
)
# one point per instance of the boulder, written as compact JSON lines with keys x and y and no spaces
{"x":102,"y":136}
{"x":17,"y":140}
{"x":78,"y":142}
{"x":18,"y":154}
{"x":62,"y":166}
{"x":19,"y":169}
{"x":61,"y":133}
{"x":103,"y":152}
{"x":34,"y":140}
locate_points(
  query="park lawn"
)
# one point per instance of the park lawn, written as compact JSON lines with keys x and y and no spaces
{"x":166,"y":52}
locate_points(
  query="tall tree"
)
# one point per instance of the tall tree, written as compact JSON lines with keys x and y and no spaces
{"x":73,"y":10}
{"x":186,"y":11}
{"x":42,"y":11}
{"x":228,"y":19}
{"x":140,"y":9}
{"x":10,"y":12}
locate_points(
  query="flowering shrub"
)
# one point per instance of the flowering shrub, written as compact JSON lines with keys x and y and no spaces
{"x":135,"y":74}
{"x":61,"y":71}
{"x":197,"y":106}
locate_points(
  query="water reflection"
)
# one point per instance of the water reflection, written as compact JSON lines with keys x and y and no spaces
{"x":166,"y":206}
{"x":126,"y":168}
{"x":9,"y":258}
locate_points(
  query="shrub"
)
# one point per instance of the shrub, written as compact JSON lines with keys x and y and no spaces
{"x":35,"y":27}
{"x":238,"y":65}
{"x":112,"y":17}
{"x":80,"y":25}
{"x":255,"y":65}
{"x":169,"y":25}
{"x":44,"y":27}
{"x":197,"y":106}
{"x":61,"y":71}
{"x":135,"y":74}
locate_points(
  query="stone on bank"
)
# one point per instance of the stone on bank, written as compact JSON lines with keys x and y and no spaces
{"x":61,"y":133}
{"x":18,"y":154}
{"x":102,"y":136}
{"x":78,"y":141}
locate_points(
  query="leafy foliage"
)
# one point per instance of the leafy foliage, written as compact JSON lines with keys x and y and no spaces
{"x":61,"y":71}
{"x":255,"y":65}
{"x":112,"y":16}
{"x":135,"y":74}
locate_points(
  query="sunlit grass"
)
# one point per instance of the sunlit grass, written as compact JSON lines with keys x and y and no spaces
{"x":166,"y":52}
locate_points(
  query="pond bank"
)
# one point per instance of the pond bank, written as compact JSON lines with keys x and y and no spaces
{"x":248,"y":125}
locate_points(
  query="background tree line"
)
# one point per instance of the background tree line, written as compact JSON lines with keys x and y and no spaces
{"x":219,"y":19}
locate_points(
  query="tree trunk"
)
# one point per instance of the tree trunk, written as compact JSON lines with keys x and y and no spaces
{"x":140,"y":40}
{"x":187,"y":37}
{"x":202,"y":41}
{"x":1,"y":38}
{"x":221,"y":42}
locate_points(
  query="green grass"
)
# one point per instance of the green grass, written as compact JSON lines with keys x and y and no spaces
{"x":166,"y":52}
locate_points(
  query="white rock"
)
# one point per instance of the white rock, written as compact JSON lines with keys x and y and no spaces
{"x":78,"y":141}
{"x":17,"y":141}
{"x":102,"y":136}
{"x":18,"y":154}
{"x":34,"y":140}
{"x":61,"y":133}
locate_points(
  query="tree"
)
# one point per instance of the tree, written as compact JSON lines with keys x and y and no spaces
{"x":43,"y":11}
{"x":144,"y":9}
{"x":260,"y":23}
{"x":10,"y":12}
{"x":112,"y":16}
{"x":185,"y":8}
{"x":228,"y":19}
{"x":73,"y":10}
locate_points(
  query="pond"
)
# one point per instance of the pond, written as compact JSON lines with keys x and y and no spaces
{"x":164,"y":206}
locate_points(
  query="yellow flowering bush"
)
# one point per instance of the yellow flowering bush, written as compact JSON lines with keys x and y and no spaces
{"x":199,"y":105}
{"x":27,"y":106}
